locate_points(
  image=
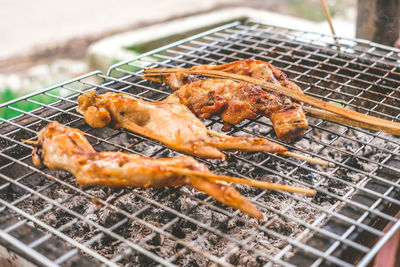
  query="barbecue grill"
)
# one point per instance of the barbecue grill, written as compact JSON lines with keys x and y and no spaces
{"x":49,"y":220}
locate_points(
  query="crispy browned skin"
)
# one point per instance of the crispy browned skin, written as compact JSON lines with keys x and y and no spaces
{"x":238,"y":101}
{"x":64,"y":148}
{"x":170,"y":123}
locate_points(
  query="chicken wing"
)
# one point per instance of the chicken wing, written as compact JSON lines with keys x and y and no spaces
{"x":67,"y":149}
{"x":238,"y":101}
{"x":170,"y":123}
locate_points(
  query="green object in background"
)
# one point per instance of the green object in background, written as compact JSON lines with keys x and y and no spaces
{"x":8,"y":94}
{"x":338,"y":102}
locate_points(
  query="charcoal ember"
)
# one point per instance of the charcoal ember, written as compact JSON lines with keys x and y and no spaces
{"x":168,"y":153}
{"x":258,"y":129}
{"x":121,"y":139}
{"x":243,"y":258}
{"x":337,"y":191}
{"x":129,"y":203}
{"x":232,"y":223}
{"x":309,"y":177}
{"x":276,"y":165}
{"x":218,"y":219}
{"x":17,"y":189}
{"x":108,"y":217}
{"x":354,"y":162}
{"x":146,"y":149}
{"x":79,"y":204}
{"x":308,"y":144}
{"x":394,"y":171}
{"x":235,"y":164}
{"x":104,"y":133}
{"x":178,"y":232}
{"x":97,"y":192}
{"x":203,"y":214}
{"x":192,"y":260}
{"x":257,"y":173}
{"x":321,"y":197}
{"x":256,"y":157}
{"x":32,"y":181}
{"x":350,"y":176}
{"x":184,"y":203}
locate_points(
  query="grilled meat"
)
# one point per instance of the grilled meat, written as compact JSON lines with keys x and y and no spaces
{"x":238,"y":101}
{"x":67,"y":149}
{"x":170,"y":123}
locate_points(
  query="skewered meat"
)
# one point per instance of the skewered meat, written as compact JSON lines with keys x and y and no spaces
{"x":170,"y":123}
{"x":64,"y":148}
{"x":238,"y":101}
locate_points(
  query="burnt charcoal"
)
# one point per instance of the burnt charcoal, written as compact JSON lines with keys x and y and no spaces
{"x":17,"y":189}
{"x":309,"y":177}
{"x":104,"y":133}
{"x":108,"y":217}
{"x":31,"y":181}
{"x":146,"y":149}
{"x":168,"y":153}
{"x":176,"y":231}
{"x":321,"y":197}
{"x":337,"y":191}
{"x":394,"y":171}
{"x":236,"y":164}
{"x":257,"y":173}
{"x":354,"y":162}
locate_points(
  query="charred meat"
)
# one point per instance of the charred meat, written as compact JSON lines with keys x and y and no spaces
{"x":236,"y":101}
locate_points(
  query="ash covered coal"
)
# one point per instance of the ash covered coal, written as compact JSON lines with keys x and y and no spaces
{"x":204,"y":223}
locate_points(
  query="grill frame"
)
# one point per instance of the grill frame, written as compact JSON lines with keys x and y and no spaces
{"x":114,"y":83}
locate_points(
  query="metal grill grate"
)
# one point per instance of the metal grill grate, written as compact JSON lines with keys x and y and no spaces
{"x":342,"y":225}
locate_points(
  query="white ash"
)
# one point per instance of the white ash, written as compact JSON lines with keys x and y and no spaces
{"x":186,"y":200}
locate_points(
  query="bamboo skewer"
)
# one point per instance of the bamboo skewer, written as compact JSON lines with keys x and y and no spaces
{"x":29,"y":142}
{"x":287,"y":153}
{"x":329,"y":116}
{"x":329,"y":18}
{"x":381,"y":124}
{"x":237,"y":180}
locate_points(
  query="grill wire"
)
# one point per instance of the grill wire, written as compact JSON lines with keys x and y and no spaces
{"x":342,"y":225}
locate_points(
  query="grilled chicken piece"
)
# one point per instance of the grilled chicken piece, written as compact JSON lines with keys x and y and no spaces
{"x":238,"y":101}
{"x":170,"y":123}
{"x":67,"y":149}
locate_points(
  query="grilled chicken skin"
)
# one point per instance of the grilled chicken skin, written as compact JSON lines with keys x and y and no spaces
{"x":67,"y":149}
{"x":238,"y":101}
{"x":170,"y":123}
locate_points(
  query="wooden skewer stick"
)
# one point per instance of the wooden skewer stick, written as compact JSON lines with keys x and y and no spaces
{"x":29,"y":142}
{"x":329,"y":116}
{"x":287,"y":153}
{"x":329,"y":18}
{"x":237,"y":180}
{"x":306,"y":158}
{"x":384,"y":125}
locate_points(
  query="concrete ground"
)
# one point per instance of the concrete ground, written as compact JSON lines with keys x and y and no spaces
{"x":26,"y":25}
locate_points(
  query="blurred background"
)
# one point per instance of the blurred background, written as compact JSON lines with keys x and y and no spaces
{"x":45,"y":42}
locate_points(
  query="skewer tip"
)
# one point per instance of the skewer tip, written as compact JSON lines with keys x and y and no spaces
{"x":29,"y":142}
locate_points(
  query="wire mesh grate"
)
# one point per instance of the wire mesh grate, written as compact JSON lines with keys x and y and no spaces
{"x":342,"y":225}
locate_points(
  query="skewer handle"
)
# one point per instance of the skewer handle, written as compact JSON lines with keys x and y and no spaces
{"x":237,"y":180}
{"x":287,"y":153}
